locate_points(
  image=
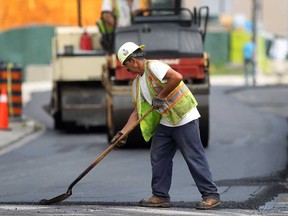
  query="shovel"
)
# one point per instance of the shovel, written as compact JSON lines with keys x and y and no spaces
{"x":109,"y":149}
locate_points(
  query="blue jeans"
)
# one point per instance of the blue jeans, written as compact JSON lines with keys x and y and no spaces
{"x":165,"y":143}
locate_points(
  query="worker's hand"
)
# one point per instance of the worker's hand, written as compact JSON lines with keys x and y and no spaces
{"x":158,"y":102}
{"x":121,"y":142}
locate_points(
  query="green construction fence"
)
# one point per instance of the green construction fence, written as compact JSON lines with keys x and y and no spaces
{"x":24,"y":46}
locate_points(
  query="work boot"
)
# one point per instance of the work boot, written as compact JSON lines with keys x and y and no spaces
{"x":208,"y":203}
{"x":155,"y":201}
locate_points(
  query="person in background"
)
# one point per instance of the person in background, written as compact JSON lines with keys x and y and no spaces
{"x":248,"y":55}
{"x":115,"y":13}
{"x":122,"y":9}
{"x":278,"y":53}
{"x":172,"y":125}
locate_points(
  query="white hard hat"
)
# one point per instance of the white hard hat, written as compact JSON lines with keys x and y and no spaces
{"x":126,"y":50}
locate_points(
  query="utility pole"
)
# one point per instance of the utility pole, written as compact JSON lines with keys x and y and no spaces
{"x":256,"y":19}
{"x":79,"y":13}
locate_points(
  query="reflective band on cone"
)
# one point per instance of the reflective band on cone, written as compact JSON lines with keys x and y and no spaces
{"x":3,"y":99}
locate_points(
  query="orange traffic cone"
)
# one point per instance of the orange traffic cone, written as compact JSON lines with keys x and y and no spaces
{"x":4,"y":110}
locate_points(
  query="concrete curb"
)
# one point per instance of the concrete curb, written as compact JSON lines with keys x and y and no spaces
{"x":20,"y":132}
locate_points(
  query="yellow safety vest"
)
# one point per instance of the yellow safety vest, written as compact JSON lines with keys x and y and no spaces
{"x":104,"y":30}
{"x":178,"y":103}
{"x":149,"y":124}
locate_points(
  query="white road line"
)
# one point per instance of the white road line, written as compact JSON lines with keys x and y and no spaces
{"x":162,"y":211}
{"x":21,"y":208}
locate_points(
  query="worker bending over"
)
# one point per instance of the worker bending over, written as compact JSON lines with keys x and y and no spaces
{"x":173,"y":124}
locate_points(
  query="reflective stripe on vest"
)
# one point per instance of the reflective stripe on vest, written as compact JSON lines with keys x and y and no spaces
{"x":178,"y":103}
{"x":105,"y":30}
{"x":149,"y":124}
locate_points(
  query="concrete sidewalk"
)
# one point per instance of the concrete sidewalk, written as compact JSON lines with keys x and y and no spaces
{"x":20,"y":128}
{"x":17,"y":130}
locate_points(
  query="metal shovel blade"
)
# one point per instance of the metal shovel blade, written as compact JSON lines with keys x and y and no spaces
{"x":55,"y":199}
